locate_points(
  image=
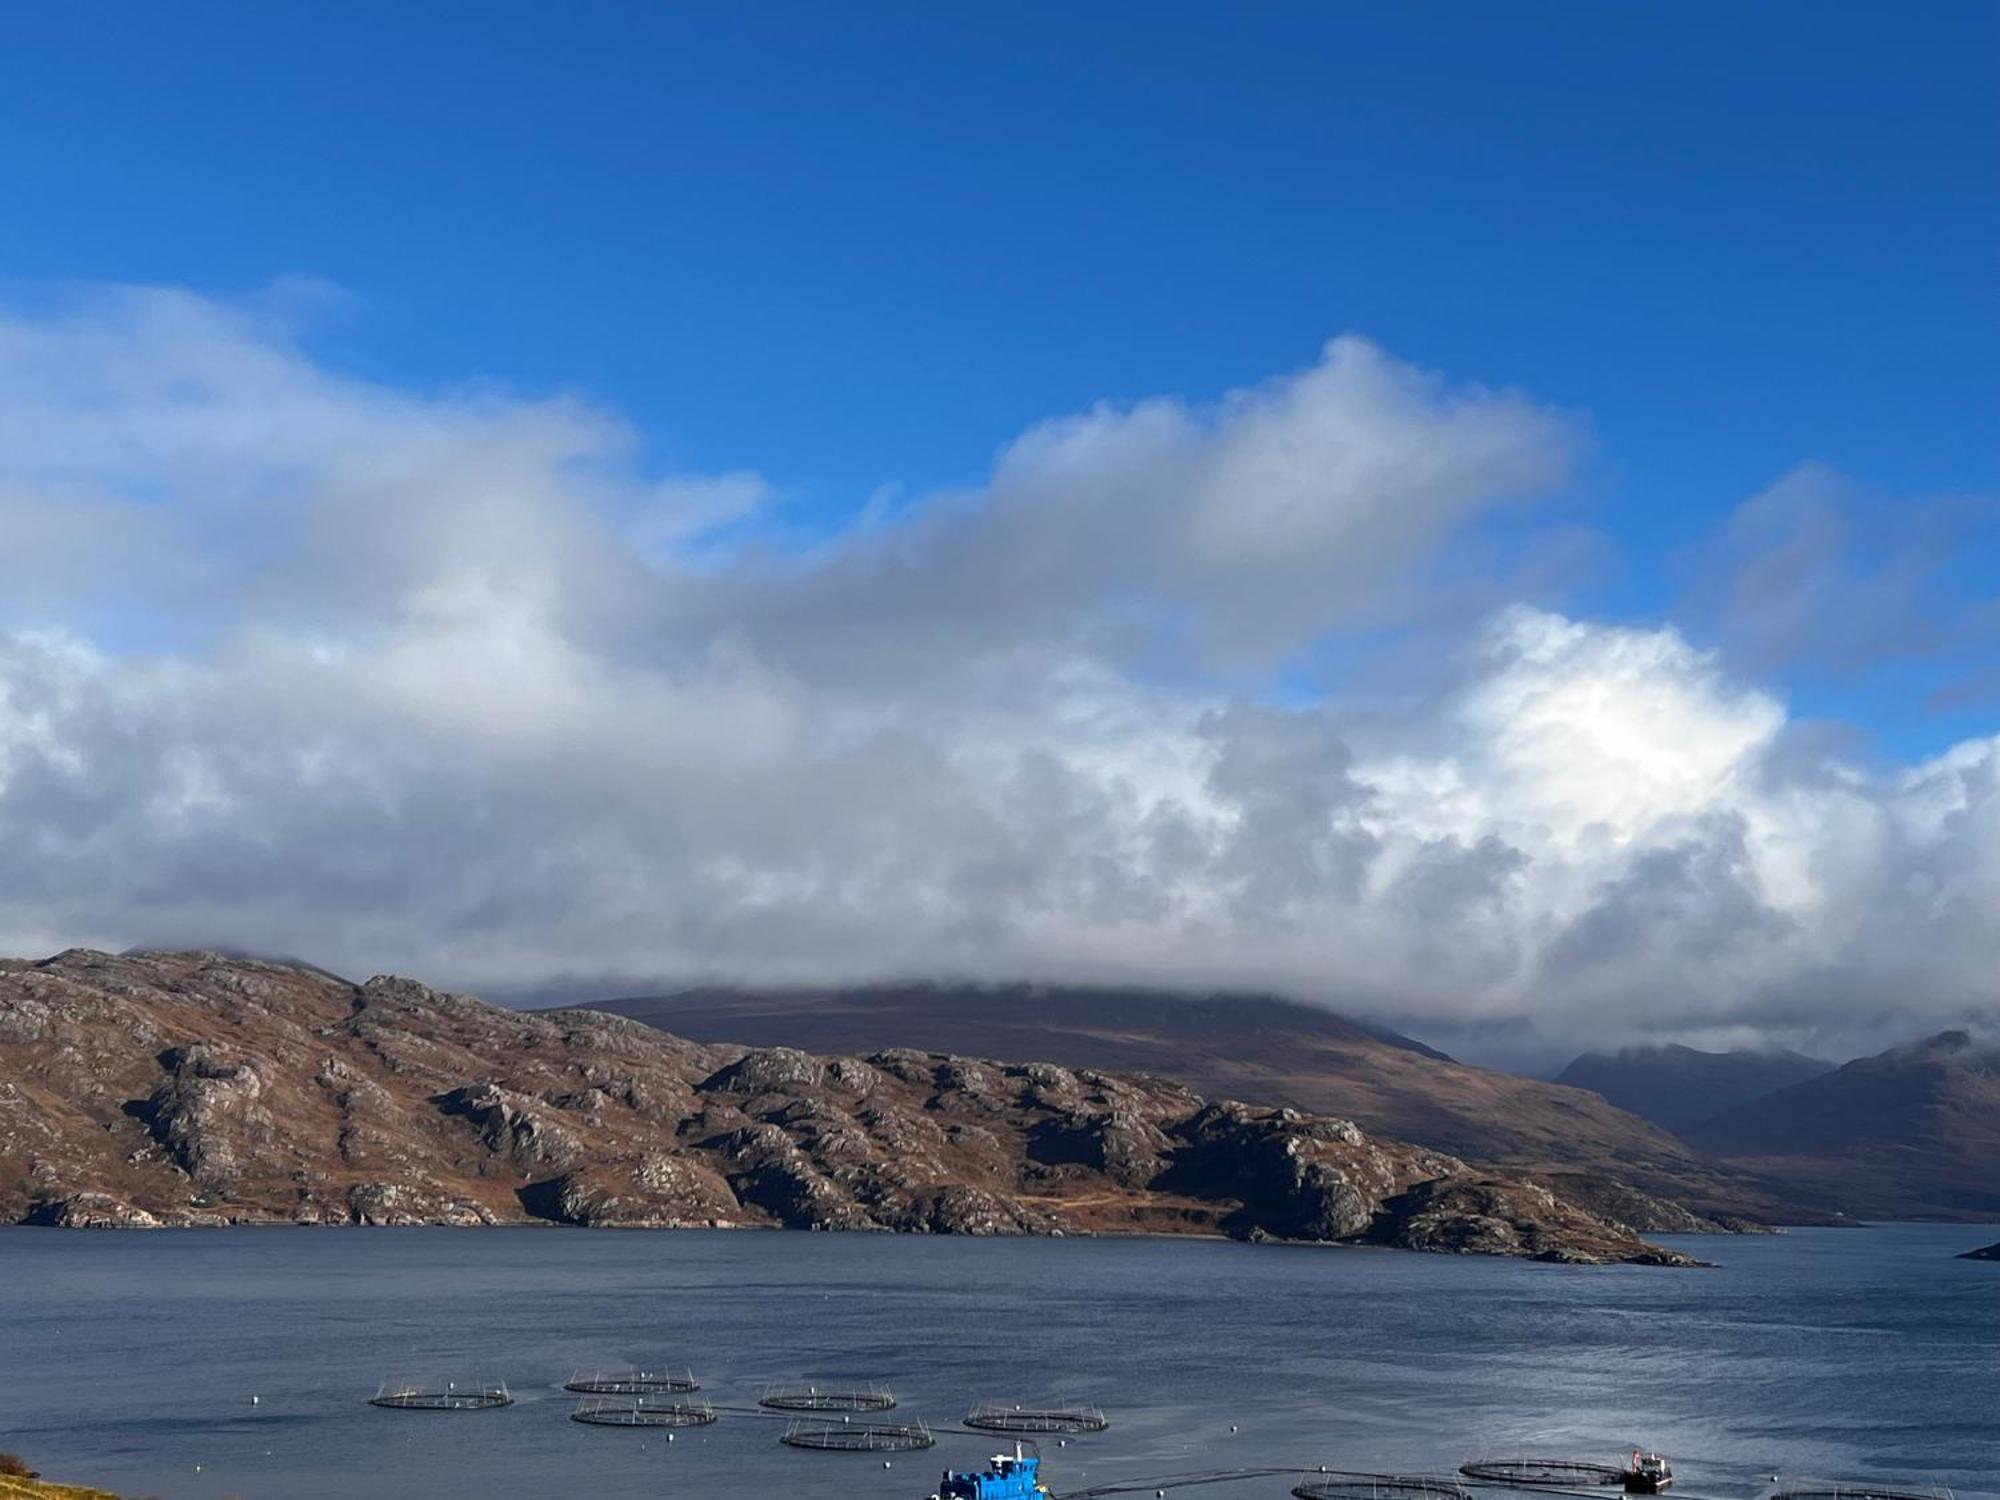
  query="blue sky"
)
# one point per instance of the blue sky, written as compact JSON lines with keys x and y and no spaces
{"x":851,"y":246}
{"x":1686,"y":642}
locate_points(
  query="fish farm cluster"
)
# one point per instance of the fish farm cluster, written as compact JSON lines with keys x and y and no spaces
{"x":854,"y":1418}
{"x":831,"y":1418}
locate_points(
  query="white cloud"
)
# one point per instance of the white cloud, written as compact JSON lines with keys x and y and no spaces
{"x":442,"y":682}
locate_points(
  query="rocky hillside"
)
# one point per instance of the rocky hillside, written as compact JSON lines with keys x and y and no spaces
{"x":1681,"y":1088}
{"x":194,"y":1089}
{"x":1913,"y":1132}
{"x":1263,"y":1049}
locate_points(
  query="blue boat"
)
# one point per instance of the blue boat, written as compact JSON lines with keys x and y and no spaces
{"x":1008,"y":1478}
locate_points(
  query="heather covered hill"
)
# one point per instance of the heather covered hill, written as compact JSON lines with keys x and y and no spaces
{"x":1913,"y":1132}
{"x":190,"y":1088}
{"x":1258,"y":1048}
{"x":1681,"y":1088}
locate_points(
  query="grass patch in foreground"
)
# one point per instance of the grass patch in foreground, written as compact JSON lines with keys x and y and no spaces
{"x":19,"y":1482}
{"x":38,"y":1489}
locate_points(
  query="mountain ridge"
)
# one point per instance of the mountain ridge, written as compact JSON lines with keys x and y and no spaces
{"x":1910,"y":1132}
{"x":1679,"y":1087}
{"x":1255,"y":1047}
{"x":189,"y":1088}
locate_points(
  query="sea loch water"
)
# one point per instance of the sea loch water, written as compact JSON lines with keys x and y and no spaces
{"x":131,"y":1360}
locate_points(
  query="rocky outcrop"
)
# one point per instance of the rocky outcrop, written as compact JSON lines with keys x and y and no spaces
{"x":1296,"y":1176}
{"x":1470,"y":1215}
{"x":90,"y":1211}
{"x":171,"y":1089}
{"x":1985,"y":1252}
{"x":1641,"y":1212}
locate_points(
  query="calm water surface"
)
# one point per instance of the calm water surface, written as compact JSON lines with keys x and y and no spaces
{"x":129,"y":1360}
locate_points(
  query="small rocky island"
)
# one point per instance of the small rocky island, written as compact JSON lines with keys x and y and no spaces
{"x":1984,"y":1252}
{"x":172,"y":1089}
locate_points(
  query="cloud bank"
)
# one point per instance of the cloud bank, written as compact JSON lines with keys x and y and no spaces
{"x":446,"y":683}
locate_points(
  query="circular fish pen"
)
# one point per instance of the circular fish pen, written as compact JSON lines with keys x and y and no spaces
{"x":1378,"y":1487}
{"x":451,"y":1396}
{"x":827,"y":1398}
{"x":633,"y":1383}
{"x":612,"y":1411}
{"x":1543,"y":1473}
{"x":1009,"y":1416}
{"x":859,"y":1437}
{"x":1863,"y":1491}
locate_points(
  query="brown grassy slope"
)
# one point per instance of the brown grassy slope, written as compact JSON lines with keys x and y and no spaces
{"x":16,"y":1488}
{"x":19,"y":1482}
{"x":1913,"y":1132}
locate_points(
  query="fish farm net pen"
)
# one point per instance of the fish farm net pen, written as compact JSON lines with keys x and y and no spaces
{"x":1378,"y":1487}
{"x":451,"y":1396}
{"x":1543,"y":1473}
{"x":1863,"y":1492}
{"x":827,"y":1398}
{"x":859,"y":1437}
{"x":1171,"y":1482}
{"x":633,"y":1383}
{"x":614,"y":1411}
{"x":1012,"y":1417}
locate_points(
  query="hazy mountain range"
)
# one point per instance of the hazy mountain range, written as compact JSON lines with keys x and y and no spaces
{"x":1911,"y":1132}
{"x":1682,"y":1088}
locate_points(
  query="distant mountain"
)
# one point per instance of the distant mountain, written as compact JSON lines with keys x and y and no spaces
{"x":1680,"y":1088}
{"x":1913,"y":1132}
{"x":1250,"y":1047}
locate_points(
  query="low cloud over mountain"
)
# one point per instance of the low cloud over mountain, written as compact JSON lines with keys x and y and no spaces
{"x":444,"y":681}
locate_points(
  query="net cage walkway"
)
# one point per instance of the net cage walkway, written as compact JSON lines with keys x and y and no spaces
{"x":1330,"y":1486}
{"x":1861,"y":1490}
{"x":452,"y":1395}
{"x":870,"y":1397}
{"x":1543,"y":1473}
{"x":1160,"y":1483}
{"x":642,"y":1411}
{"x":633,"y":1383}
{"x":859,"y":1437}
{"x":1067,"y":1417}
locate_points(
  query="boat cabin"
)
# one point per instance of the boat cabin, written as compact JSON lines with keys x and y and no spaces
{"x":1011,"y":1477}
{"x":1649,"y":1474}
